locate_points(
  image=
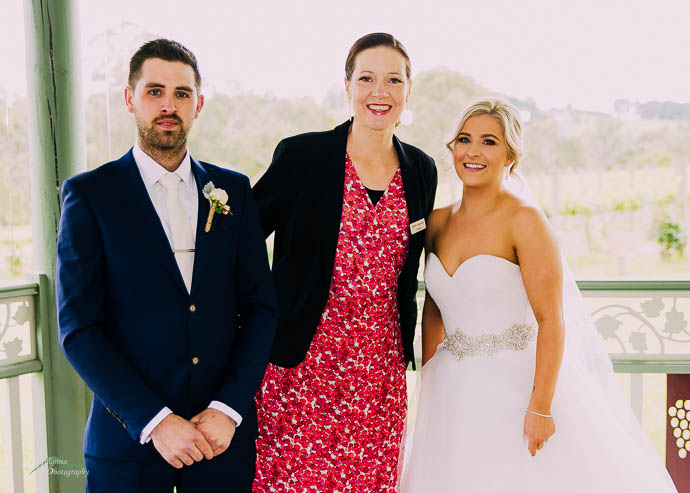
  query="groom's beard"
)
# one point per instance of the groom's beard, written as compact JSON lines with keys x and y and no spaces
{"x":163,"y":141}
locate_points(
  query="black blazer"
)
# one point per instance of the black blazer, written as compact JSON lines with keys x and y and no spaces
{"x":300,"y":197}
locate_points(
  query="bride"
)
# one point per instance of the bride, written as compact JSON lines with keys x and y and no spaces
{"x":518,"y":393}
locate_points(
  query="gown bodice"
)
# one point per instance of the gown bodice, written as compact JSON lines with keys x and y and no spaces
{"x":485,"y":295}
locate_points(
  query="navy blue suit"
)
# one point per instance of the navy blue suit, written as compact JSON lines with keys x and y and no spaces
{"x":141,"y":342}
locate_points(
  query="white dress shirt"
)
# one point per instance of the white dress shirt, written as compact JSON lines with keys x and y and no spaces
{"x":151,"y":172}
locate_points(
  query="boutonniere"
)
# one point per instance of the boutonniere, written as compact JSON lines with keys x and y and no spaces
{"x":219,"y":203}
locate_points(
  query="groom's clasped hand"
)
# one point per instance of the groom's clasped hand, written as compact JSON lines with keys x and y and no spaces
{"x":217,"y":428}
{"x":205,"y":436}
{"x":180,"y":443}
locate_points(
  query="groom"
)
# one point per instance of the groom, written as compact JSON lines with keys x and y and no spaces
{"x":166,"y":311}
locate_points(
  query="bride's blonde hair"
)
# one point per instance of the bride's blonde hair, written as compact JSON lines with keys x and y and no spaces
{"x":506,"y":114}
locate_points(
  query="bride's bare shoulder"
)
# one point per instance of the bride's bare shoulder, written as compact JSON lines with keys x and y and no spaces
{"x":529,"y":227}
{"x":524,"y":214}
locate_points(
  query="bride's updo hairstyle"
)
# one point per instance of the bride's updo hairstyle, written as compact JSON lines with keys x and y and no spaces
{"x":506,"y":114}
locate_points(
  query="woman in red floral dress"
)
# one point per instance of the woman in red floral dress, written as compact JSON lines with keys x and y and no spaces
{"x":347,"y":207}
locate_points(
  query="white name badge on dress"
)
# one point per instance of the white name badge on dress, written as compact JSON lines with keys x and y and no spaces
{"x":418,"y":226}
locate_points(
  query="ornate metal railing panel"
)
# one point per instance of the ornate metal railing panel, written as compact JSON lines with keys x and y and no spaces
{"x":644,"y":324}
{"x":18,"y":329}
{"x":17,"y":326}
{"x":18,"y":355}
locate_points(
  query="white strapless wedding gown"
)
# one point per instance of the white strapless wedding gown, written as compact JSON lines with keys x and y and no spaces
{"x":468,"y":435}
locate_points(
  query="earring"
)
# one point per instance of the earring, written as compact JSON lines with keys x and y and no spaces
{"x":506,"y":170}
{"x":406,"y":117}
{"x":350,"y":110}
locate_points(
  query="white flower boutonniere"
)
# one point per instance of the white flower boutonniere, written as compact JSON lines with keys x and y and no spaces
{"x":219,"y":203}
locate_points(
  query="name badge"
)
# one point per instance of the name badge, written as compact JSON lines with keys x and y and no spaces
{"x":418,"y":226}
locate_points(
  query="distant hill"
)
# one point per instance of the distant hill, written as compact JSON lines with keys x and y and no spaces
{"x":666,"y":110}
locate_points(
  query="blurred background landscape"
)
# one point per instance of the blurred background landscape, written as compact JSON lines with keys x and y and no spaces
{"x":614,"y":185}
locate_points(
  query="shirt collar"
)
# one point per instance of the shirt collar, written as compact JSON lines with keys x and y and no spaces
{"x":151,"y":171}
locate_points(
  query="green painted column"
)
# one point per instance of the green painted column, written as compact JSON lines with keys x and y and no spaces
{"x":57,"y":151}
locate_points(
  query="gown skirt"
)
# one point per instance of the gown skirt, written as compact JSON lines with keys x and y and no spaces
{"x":468,"y":435}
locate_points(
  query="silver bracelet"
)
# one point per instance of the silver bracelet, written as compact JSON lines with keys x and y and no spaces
{"x":538,"y":414}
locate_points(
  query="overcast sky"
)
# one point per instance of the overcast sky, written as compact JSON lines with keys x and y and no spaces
{"x":585,"y":53}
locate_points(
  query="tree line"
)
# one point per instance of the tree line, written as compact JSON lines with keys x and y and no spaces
{"x":240,"y":131}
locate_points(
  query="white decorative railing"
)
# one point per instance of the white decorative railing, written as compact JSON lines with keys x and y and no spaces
{"x":644,"y":324}
{"x":17,"y":329}
{"x":18,"y":310}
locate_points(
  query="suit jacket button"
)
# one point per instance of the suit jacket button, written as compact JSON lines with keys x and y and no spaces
{"x":192,"y":308}
{"x":195,"y":360}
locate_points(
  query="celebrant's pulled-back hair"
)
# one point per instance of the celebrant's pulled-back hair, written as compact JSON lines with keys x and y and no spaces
{"x":375,"y":40}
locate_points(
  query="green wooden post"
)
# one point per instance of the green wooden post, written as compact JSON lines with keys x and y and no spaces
{"x":57,"y":151}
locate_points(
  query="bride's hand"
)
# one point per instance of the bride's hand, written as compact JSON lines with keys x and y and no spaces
{"x":538,"y":430}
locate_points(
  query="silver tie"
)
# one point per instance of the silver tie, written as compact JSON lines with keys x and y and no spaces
{"x":180,"y":229}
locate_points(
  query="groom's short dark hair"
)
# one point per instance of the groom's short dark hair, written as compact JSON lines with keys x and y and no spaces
{"x":165,"y":49}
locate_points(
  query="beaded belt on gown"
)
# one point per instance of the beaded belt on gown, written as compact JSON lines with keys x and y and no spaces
{"x":515,"y":338}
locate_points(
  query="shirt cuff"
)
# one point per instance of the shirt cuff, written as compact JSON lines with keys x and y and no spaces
{"x":227,"y":410}
{"x":145,"y":436}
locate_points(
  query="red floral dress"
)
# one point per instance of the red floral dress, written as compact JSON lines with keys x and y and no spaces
{"x":335,"y":422}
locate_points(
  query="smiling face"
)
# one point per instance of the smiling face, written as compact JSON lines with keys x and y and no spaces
{"x":165,"y":104}
{"x":378,"y":87}
{"x":480,"y":154}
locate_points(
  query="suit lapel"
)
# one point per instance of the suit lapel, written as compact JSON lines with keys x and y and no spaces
{"x":139,"y":211}
{"x":332,"y":184}
{"x":412,"y":183}
{"x":202,"y":245}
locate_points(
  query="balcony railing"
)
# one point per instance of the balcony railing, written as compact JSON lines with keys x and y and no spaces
{"x":18,"y":356}
{"x":644,"y":325}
